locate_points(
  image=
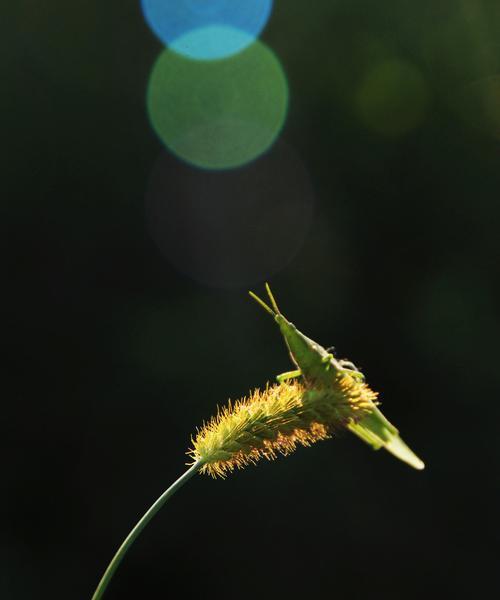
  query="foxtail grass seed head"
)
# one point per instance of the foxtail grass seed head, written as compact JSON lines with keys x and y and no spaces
{"x":331,"y":394}
{"x":276,"y":420}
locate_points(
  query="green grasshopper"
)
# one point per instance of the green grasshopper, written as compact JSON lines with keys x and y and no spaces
{"x":320,"y":369}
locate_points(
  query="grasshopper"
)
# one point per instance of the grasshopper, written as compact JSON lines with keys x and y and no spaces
{"x":319,"y":368}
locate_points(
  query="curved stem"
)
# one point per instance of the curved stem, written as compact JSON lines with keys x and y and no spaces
{"x":134,"y":534}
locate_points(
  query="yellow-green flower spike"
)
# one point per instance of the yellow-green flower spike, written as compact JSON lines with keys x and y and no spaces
{"x":275,"y":421}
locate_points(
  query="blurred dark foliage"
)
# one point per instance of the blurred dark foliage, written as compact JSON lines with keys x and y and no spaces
{"x":112,"y":357}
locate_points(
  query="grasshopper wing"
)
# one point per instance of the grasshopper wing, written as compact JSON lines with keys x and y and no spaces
{"x":375,"y":430}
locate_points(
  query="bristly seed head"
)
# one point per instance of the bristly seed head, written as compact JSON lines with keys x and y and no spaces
{"x":276,"y":420}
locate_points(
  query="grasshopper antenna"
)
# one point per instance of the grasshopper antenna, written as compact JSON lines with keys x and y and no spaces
{"x":267,"y":308}
{"x":263,"y":304}
{"x":273,"y":301}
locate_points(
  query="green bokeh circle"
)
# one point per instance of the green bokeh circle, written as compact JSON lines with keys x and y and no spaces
{"x":218,"y":114}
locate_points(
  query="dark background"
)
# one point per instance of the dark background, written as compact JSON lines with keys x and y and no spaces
{"x":113,"y":356}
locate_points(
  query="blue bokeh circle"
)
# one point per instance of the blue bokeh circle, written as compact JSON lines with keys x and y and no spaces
{"x":207,"y":29}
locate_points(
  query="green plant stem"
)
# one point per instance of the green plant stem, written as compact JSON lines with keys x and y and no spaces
{"x":134,"y":534}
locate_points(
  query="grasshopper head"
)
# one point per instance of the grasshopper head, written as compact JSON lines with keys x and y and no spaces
{"x":305,"y":353}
